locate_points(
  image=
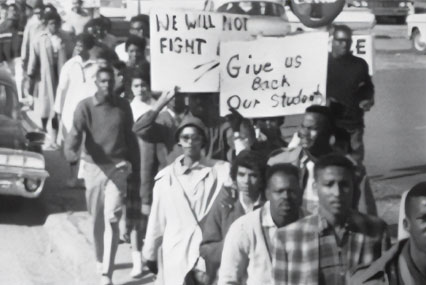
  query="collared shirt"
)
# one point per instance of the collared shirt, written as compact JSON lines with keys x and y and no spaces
{"x":296,"y":251}
{"x":310,"y":195}
{"x":248,"y":208}
{"x":76,"y":82}
{"x":245,"y":256}
{"x":107,"y":127}
{"x":408,"y":271}
{"x":333,"y":254}
{"x":139,"y":107}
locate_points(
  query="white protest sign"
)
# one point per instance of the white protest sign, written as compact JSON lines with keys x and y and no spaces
{"x":362,"y":46}
{"x":184,"y":47}
{"x":274,"y":77}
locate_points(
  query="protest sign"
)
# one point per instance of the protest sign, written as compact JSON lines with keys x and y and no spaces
{"x":275,"y":76}
{"x":362,"y":46}
{"x":184,"y":47}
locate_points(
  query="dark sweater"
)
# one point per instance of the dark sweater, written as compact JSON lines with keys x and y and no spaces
{"x":108,"y":130}
{"x":348,"y":83}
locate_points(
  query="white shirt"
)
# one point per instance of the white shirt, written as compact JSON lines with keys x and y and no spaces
{"x":139,"y":107}
{"x":245,"y":256}
{"x":120,"y":50}
{"x":76,"y":82}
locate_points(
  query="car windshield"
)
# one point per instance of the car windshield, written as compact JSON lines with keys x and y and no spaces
{"x":253,"y":8}
{"x":7,"y":102}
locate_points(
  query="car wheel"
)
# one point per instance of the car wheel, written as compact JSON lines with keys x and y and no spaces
{"x":418,"y":44}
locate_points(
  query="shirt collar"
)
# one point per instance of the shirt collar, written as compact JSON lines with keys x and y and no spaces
{"x":98,"y":102}
{"x":256,"y":204}
{"x":267,"y":221}
{"x":182,"y":169}
{"x":324,"y":226}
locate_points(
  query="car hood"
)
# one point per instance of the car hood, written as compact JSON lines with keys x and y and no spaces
{"x":267,"y":26}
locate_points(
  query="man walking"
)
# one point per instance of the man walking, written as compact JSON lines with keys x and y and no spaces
{"x":323,"y":248}
{"x":350,"y":89}
{"x":405,"y":262}
{"x":110,"y":153}
{"x":247,"y":252}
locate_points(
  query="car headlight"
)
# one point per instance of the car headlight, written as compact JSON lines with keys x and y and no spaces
{"x":402,"y":4}
{"x":31,"y":185}
{"x":364,"y":4}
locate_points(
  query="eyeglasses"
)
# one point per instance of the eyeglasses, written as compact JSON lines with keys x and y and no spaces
{"x":187,"y":138}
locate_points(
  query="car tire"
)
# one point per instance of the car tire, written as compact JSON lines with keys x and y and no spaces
{"x":418,"y":45}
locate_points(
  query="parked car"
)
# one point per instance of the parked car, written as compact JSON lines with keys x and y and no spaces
{"x":266,"y":17}
{"x":22,"y":166}
{"x":416,"y":26}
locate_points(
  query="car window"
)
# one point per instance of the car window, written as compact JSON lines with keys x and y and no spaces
{"x":6,"y":101}
{"x":253,"y":8}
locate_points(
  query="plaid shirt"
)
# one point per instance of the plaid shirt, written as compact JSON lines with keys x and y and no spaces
{"x":296,"y":248}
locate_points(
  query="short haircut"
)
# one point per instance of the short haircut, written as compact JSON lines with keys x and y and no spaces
{"x":137,"y":41}
{"x":88,"y":41}
{"x":419,"y":190}
{"x":285,"y":168}
{"x":323,"y":111}
{"x":144,"y":19}
{"x":249,"y":159}
{"x":334,"y":159}
{"x":105,"y":70}
{"x":52,"y":16}
{"x":140,"y":74}
{"x":93,"y":23}
{"x":342,"y":28}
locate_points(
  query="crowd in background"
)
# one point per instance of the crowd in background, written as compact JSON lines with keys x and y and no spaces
{"x":200,"y":198}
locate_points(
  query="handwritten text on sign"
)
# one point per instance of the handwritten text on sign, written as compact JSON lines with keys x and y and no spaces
{"x":185,"y":46}
{"x":273,"y":77}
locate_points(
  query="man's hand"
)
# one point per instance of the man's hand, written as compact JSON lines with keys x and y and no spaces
{"x":235,"y":119}
{"x":366,"y":104}
{"x":165,"y":98}
{"x":152,"y":266}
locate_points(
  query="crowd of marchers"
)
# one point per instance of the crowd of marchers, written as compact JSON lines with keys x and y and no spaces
{"x":200,"y":198}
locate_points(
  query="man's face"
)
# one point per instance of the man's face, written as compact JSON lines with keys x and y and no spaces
{"x":140,"y":89}
{"x":247,"y":181}
{"x":191,"y":141}
{"x":105,"y":84}
{"x":53,"y":27}
{"x":415,"y":222}
{"x":135,"y":54}
{"x":311,"y":130}
{"x":79,"y":48}
{"x":334,"y":185}
{"x":136,"y":28}
{"x":284,"y":194}
{"x":341,"y":44}
{"x":198,"y":104}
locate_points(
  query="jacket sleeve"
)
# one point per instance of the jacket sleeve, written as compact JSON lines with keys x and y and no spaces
{"x":212,"y":244}
{"x":156,"y":225}
{"x":235,"y":258}
{"x":366,"y":89}
{"x":62,"y":89}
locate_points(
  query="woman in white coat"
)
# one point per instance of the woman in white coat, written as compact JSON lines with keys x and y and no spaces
{"x":183,"y":194}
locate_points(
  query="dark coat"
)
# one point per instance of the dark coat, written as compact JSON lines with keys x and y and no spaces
{"x":226,"y":209}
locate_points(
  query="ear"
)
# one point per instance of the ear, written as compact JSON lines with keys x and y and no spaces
{"x":406,"y":224}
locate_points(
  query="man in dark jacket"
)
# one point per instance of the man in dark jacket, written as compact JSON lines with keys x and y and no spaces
{"x":349,"y":89}
{"x":243,"y":196}
{"x":405,"y":262}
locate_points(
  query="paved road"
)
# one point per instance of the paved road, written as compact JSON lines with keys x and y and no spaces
{"x":396,"y":158}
